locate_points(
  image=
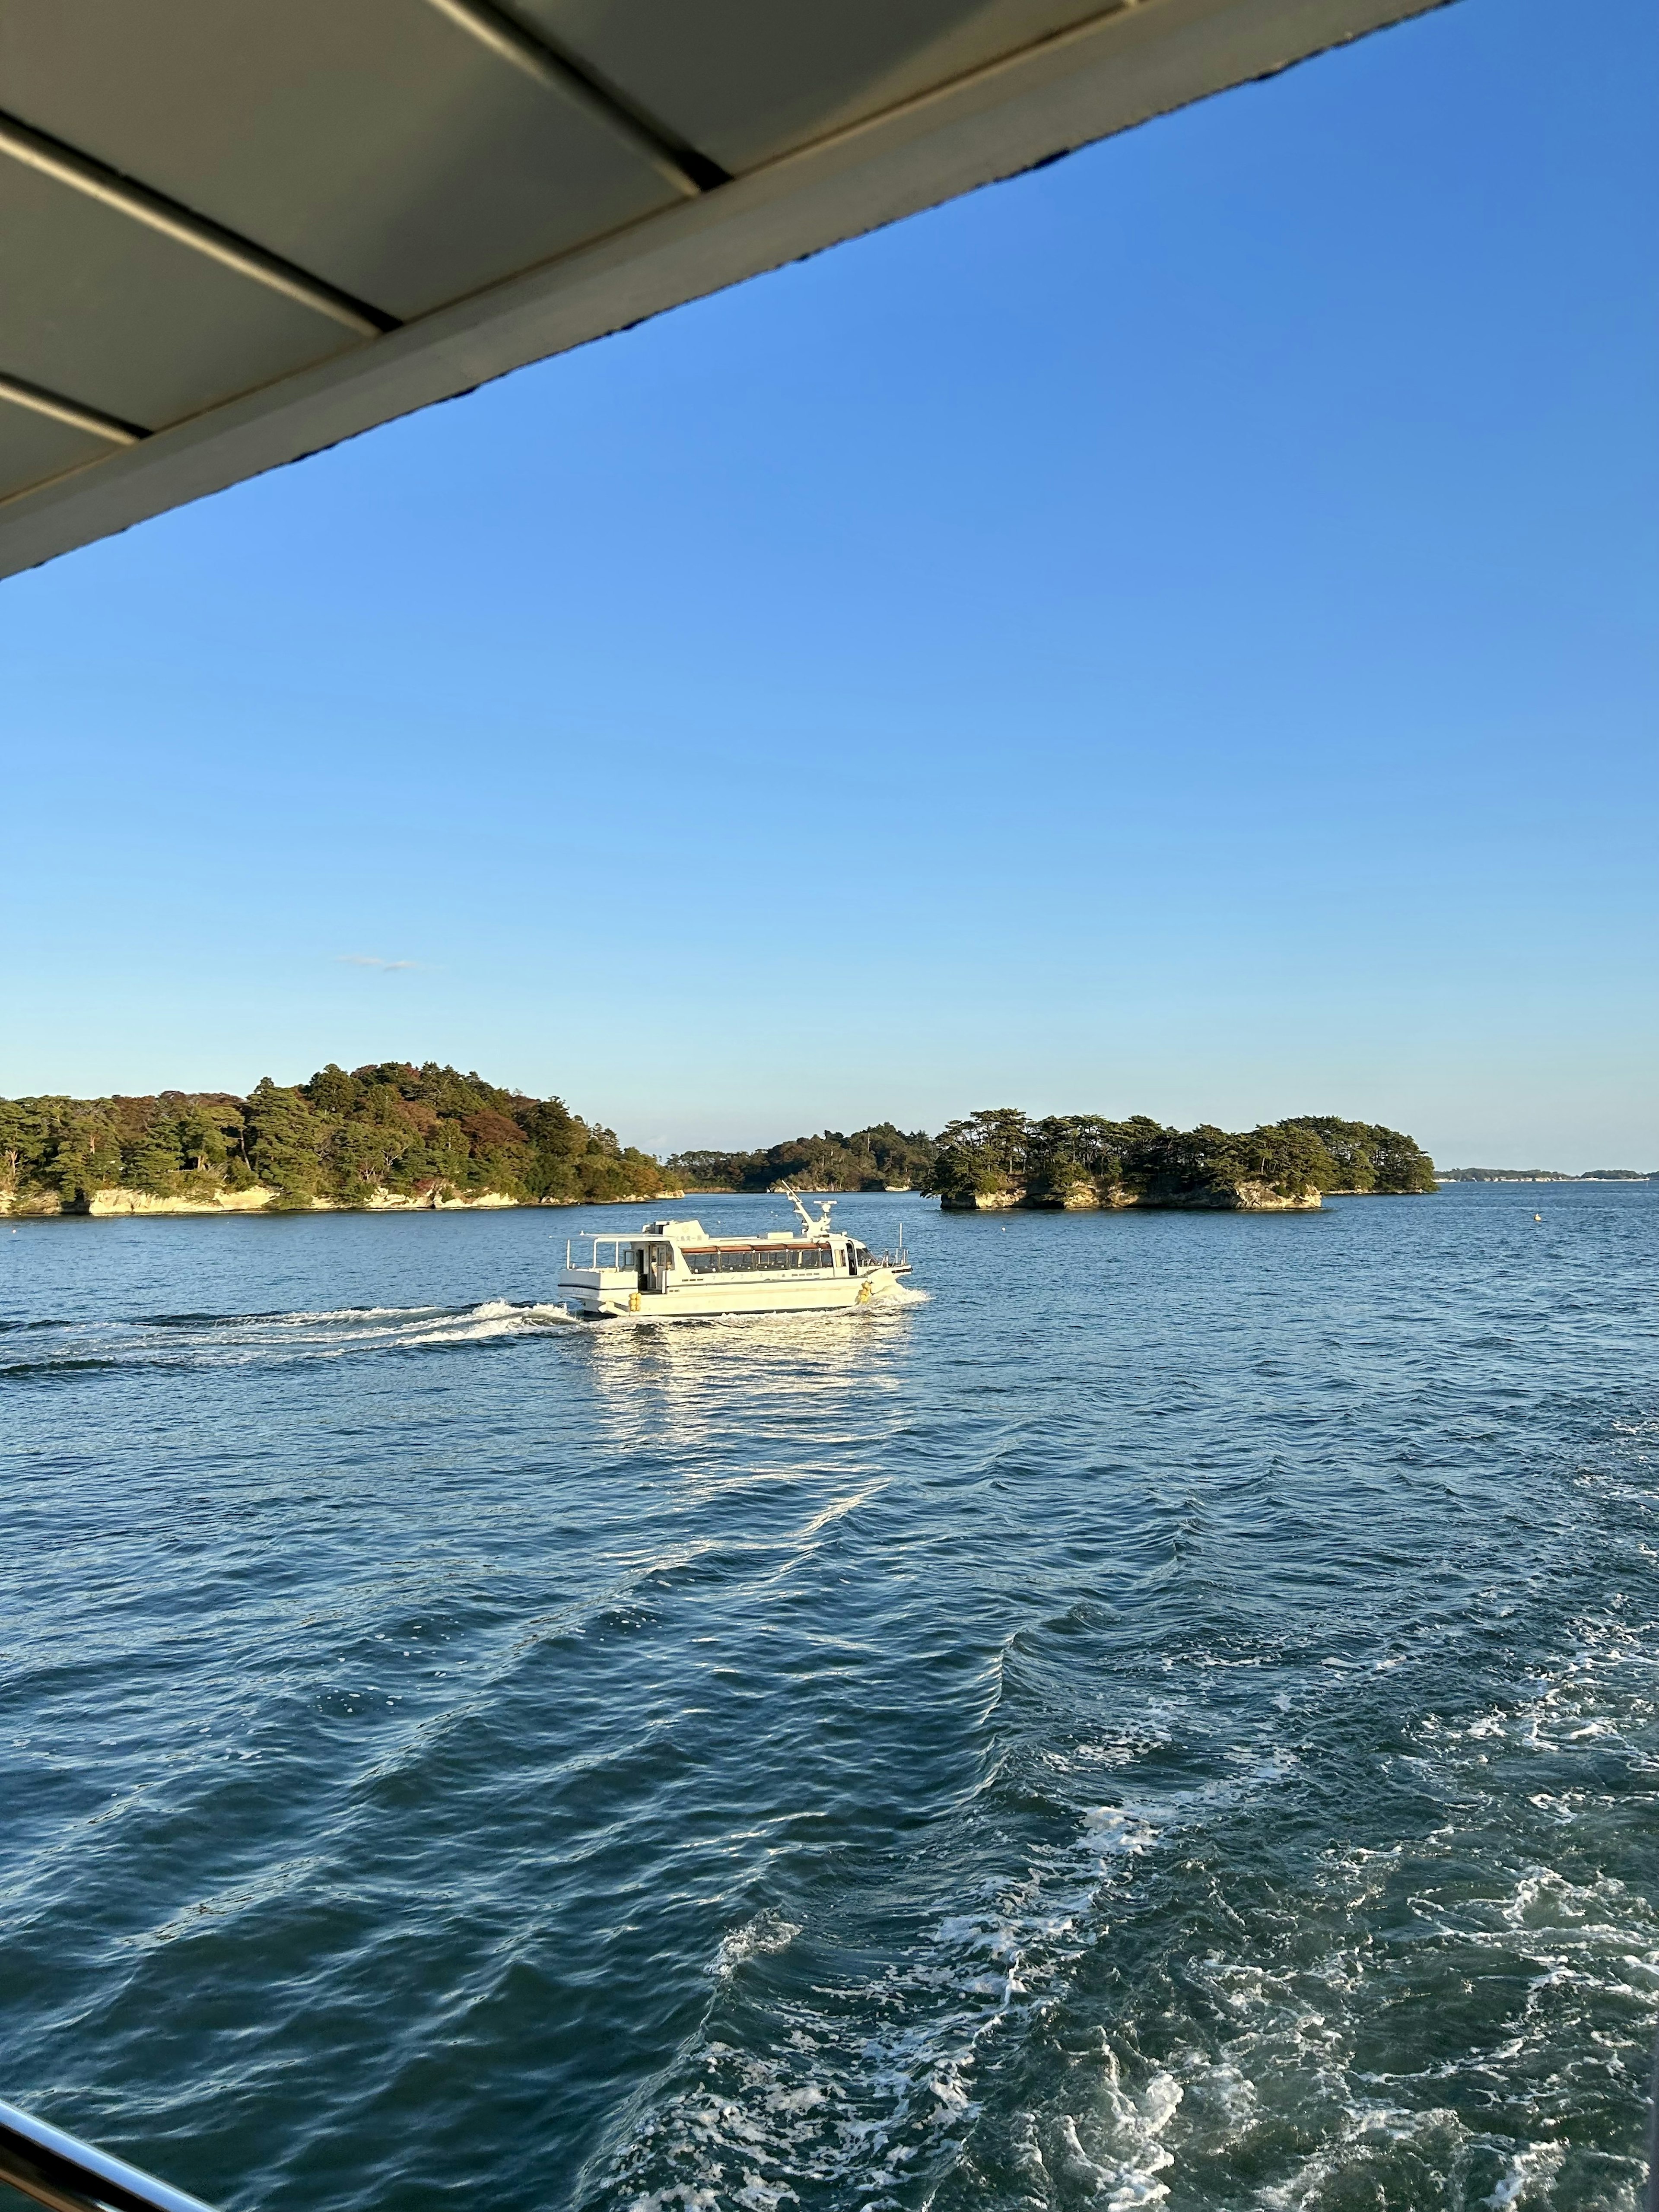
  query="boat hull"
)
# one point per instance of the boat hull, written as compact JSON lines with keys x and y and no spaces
{"x":701,"y":1300}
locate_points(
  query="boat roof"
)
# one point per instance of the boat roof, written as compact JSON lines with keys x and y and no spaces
{"x":693,"y":1232}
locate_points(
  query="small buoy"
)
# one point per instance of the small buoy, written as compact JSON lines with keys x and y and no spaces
{"x":1538,"y":1217}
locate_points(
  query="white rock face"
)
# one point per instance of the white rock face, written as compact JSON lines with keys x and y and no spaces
{"x":254,"y":1199}
{"x":38,"y":1204}
{"x":424,"y":1201}
{"x":1247,"y":1197}
{"x":258,"y":1198}
{"x":1258,"y":1197}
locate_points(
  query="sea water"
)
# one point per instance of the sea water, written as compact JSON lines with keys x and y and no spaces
{"x":1170,"y":1717}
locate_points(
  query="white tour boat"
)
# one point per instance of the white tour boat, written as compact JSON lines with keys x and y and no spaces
{"x":671,"y":1268}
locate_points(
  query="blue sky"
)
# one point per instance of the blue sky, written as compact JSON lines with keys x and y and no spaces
{"x":1172,"y":634}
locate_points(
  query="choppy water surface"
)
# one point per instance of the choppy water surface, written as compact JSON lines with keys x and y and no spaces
{"x":1173,"y":1718}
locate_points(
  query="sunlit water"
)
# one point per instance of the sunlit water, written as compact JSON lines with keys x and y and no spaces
{"x":1173,"y":1717}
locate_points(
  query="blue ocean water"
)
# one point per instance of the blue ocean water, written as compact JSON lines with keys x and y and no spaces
{"x":1173,"y":1717}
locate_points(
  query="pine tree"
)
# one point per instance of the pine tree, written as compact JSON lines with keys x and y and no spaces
{"x":283,"y":1141}
{"x":153,"y":1161}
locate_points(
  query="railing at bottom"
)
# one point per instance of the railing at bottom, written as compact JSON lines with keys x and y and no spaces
{"x":55,"y":2169}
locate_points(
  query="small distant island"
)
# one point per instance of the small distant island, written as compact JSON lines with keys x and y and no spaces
{"x":394,"y":1137}
{"x":1545,"y":1175}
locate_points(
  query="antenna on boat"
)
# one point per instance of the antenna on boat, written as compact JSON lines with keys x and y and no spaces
{"x":818,"y":1228}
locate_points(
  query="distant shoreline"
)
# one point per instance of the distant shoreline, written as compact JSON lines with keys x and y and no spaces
{"x":260,"y":1202}
{"x":1545,"y":1175}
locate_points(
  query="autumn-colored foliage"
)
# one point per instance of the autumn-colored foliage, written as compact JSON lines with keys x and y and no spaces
{"x":339,"y":1136}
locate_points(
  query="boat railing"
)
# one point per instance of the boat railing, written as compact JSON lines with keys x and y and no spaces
{"x":615,"y":1239}
{"x":58,"y":2169}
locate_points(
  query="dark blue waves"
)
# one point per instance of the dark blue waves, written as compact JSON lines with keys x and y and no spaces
{"x":1174,"y":1718}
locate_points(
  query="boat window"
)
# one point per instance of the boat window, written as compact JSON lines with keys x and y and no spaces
{"x":756,"y":1258}
{"x":719,"y":1262}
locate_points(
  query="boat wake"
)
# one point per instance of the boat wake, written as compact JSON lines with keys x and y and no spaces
{"x":830,"y":2085}
{"x":44,"y":1349}
{"x":208,"y":1339}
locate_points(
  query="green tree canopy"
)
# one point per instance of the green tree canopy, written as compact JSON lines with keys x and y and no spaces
{"x":340,"y":1136}
{"x":998,"y":1149}
{"x":391,"y":1126}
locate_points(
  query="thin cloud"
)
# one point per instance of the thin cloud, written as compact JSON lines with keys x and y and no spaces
{"x":374,"y":960}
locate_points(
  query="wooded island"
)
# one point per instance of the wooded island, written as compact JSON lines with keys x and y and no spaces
{"x":1000,"y":1159}
{"x":394,"y":1136}
{"x":388,"y":1136}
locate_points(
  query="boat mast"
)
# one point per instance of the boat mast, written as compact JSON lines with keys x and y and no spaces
{"x":818,"y":1228}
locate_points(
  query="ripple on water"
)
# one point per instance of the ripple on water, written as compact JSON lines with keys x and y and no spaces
{"x":1191,"y":1742}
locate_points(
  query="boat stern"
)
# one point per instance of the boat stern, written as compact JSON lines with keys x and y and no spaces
{"x":600,"y":1294}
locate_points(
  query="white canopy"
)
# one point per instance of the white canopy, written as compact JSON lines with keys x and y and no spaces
{"x":233,"y":231}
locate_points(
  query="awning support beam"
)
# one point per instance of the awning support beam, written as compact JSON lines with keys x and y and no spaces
{"x":39,"y":401}
{"x":691,"y":174}
{"x":34,"y":151}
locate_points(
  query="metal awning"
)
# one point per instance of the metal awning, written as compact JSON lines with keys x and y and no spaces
{"x":232,"y":232}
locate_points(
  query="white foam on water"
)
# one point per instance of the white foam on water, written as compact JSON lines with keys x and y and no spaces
{"x":1111,"y":1830}
{"x":865,"y":2085}
{"x":328,"y":1333}
{"x":495,"y":1318}
{"x":1563,"y":1956}
{"x":1111,"y":2154}
{"x":873,"y":2090}
{"x":332,"y":1313}
{"x":1527,"y":2177}
{"x":1137,"y":2124}
{"x":767,"y":1931}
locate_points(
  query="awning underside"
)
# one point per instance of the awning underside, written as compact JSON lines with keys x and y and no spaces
{"x":231,"y":232}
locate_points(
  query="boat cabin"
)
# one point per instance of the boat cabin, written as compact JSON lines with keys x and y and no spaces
{"x":664,"y":1253}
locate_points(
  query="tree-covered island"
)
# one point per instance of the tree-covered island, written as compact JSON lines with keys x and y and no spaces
{"x":881,"y":1158}
{"x":393,"y":1135}
{"x":384,"y":1137}
{"x":1000,"y":1158}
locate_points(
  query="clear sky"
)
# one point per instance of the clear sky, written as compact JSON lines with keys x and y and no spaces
{"x":1172,"y":634}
